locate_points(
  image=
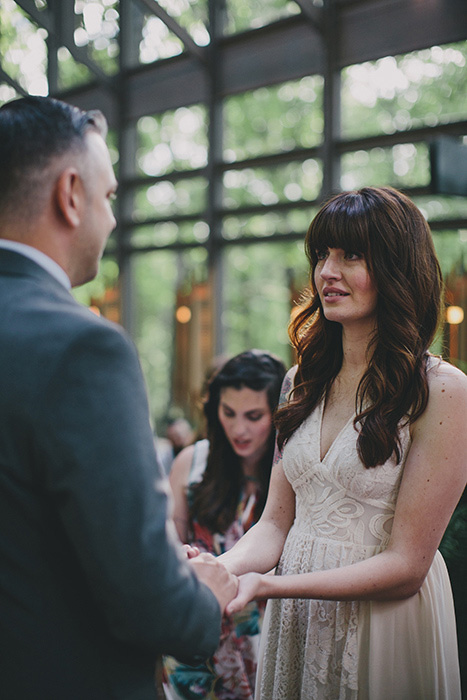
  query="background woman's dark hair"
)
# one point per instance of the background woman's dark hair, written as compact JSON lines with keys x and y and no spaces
{"x":390,"y":231}
{"x":215,"y":498}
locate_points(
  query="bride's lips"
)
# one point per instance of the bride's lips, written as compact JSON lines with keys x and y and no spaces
{"x":330,"y":293}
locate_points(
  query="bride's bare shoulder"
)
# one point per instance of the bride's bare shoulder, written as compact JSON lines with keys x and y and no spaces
{"x":447,"y":383}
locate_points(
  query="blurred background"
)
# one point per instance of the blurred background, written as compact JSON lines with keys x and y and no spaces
{"x":230,"y":121}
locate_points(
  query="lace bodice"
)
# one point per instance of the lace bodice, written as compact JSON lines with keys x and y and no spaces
{"x":337,"y":497}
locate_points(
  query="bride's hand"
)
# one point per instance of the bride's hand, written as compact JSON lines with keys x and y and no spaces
{"x":248,"y":589}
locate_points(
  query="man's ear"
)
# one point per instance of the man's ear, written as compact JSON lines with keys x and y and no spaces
{"x":69,"y":196}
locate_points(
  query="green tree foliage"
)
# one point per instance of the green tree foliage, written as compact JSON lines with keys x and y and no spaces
{"x":396,"y":93}
{"x":249,"y":14}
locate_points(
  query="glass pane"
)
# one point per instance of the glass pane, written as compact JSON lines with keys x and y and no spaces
{"x":102,"y":294}
{"x":7,"y":93}
{"x":282,"y":183}
{"x":438,"y":207}
{"x":97,"y":28}
{"x":404,"y":165}
{"x":23,"y":49}
{"x":159,"y":278}
{"x":268,"y":224}
{"x":451,"y":247}
{"x":167,"y":198}
{"x":423,"y":88}
{"x":169,"y":232}
{"x":71,"y":73}
{"x":261,"y":283}
{"x":172,"y":141}
{"x":192,"y":15}
{"x":250,"y":14}
{"x":274,"y":119}
{"x":157,"y":41}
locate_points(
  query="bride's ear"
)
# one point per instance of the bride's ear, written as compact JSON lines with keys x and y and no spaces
{"x":69,"y":197}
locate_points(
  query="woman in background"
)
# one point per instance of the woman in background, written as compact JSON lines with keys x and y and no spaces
{"x":220,"y":486}
{"x":372,"y":461}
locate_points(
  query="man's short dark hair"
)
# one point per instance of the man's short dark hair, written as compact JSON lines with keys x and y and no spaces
{"x":33,"y":131}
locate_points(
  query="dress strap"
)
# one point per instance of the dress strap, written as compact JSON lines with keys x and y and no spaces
{"x":199,"y":461}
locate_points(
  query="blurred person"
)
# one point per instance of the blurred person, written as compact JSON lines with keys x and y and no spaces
{"x":371,"y":462}
{"x":93,"y":581}
{"x":178,"y":434}
{"x":220,"y":486}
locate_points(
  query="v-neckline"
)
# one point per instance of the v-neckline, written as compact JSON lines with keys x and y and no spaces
{"x":322,"y":459}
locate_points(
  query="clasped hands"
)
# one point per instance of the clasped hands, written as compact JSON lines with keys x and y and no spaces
{"x":232,"y":592}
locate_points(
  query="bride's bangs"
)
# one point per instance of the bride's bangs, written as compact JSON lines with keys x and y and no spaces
{"x":340,"y":227}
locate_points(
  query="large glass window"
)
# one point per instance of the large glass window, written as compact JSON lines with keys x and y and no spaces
{"x":396,"y":93}
{"x":274,"y":119}
{"x":173,"y":303}
{"x":267,"y":173}
{"x":173,"y":140}
{"x":261,"y":284}
{"x":403,"y":165}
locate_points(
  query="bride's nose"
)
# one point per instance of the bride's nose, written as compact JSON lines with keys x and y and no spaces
{"x":330,"y":268}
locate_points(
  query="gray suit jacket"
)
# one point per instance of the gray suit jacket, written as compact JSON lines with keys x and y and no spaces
{"x":92,"y":582}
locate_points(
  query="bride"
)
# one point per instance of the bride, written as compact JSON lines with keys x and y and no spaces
{"x":372,"y":461}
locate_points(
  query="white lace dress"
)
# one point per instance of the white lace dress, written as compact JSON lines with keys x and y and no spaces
{"x":327,"y":650}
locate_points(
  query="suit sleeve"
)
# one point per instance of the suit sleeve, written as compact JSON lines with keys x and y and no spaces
{"x":101,"y":470}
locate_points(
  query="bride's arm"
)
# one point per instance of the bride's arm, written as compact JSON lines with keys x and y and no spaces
{"x":178,"y":478}
{"x":433,"y":481}
{"x":260,"y":548}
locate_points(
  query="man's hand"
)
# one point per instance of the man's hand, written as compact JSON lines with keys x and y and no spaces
{"x":214,"y":574}
{"x":191,"y":551}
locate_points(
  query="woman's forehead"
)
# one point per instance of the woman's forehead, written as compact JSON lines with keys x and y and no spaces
{"x":338,"y":231}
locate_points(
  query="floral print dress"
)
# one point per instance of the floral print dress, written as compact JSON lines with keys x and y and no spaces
{"x":230,"y":674}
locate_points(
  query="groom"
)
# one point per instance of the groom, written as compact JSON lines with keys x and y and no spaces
{"x":93,"y":583}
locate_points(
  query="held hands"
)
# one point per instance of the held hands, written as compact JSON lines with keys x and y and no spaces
{"x":214,"y":574}
{"x":248,"y":589}
{"x":246,"y":586}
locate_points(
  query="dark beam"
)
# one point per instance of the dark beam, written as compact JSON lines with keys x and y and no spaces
{"x":371,"y":30}
{"x":165,"y":85}
{"x":331,"y":102}
{"x":286,"y":50}
{"x":92,"y":96}
{"x":416,"y":135}
{"x":5,"y":78}
{"x":312,"y":13}
{"x":40,"y":17}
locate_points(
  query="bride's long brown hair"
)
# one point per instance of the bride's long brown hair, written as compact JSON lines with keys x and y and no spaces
{"x":390,"y":231}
